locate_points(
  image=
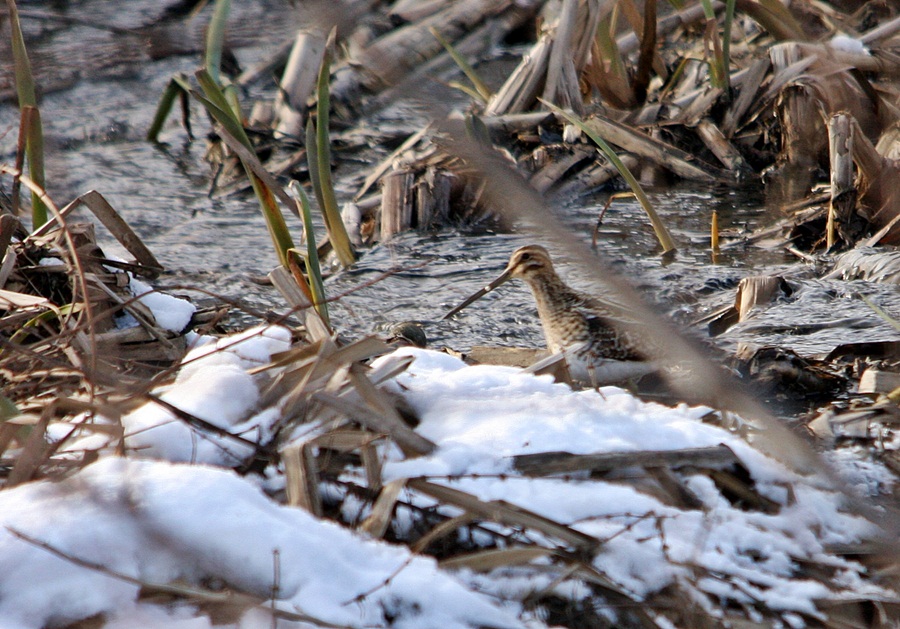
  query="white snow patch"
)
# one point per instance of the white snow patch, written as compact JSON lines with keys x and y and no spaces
{"x":171,"y":313}
{"x":160,"y":522}
{"x":213,"y":385}
{"x":483,"y":416}
{"x":849,"y":44}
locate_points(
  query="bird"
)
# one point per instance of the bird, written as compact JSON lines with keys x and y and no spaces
{"x":597,"y":347}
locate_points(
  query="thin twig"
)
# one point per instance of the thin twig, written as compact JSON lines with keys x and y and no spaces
{"x":212,"y":596}
{"x":387,"y":581}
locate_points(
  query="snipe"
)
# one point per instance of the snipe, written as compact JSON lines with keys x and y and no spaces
{"x":598,"y":350}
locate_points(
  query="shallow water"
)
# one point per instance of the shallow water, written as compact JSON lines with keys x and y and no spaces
{"x":95,"y":131}
{"x":461,"y":263}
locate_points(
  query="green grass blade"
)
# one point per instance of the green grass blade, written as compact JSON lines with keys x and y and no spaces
{"x":313,"y":268}
{"x":718,"y":66}
{"x":278,"y":229}
{"x":215,"y":38}
{"x":315,"y":174}
{"x":25,"y":89}
{"x":183,"y":81}
{"x":218,"y":107}
{"x":48,"y":315}
{"x":172,"y":91}
{"x":726,"y":41}
{"x":716,"y":63}
{"x":35,"y":151}
{"x":659,"y":228}
{"x":674,"y":78}
{"x":337,"y":233}
{"x":483,"y":91}
{"x":468,"y":91}
{"x":609,"y":49}
{"x":233,"y":99}
{"x":312,"y":159}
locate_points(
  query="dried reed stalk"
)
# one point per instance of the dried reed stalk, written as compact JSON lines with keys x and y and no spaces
{"x":666,"y":155}
{"x":843,"y":190}
{"x":396,"y":202}
{"x":298,"y":82}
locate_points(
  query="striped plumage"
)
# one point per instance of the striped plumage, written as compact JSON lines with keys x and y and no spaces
{"x":598,"y":350}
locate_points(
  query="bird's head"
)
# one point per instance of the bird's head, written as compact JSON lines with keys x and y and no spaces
{"x":525,"y":263}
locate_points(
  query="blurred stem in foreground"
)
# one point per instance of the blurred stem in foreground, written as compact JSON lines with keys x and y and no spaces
{"x":726,"y":41}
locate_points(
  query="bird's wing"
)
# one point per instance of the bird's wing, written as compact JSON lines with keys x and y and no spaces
{"x":607,"y":307}
{"x":614,"y":333}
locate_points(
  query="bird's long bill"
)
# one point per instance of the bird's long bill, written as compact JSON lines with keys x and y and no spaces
{"x":484,"y":291}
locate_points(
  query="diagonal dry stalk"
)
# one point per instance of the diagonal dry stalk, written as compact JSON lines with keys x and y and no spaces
{"x":198,"y":595}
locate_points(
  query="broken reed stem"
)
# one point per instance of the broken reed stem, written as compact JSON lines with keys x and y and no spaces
{"x":714,"y":232}
{"x":843,"y":191}
{"x":396,"y":202}
{"x":299,"y":82}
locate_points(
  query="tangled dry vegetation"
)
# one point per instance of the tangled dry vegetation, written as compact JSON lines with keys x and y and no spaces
{"x":790,"y":102}
{"x":334,"y":422}
{"x":795,"y":90}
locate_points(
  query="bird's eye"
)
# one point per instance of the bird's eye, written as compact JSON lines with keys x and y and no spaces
{"x":526,"y":256}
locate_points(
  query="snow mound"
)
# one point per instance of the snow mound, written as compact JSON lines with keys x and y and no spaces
{"x":159,"y":522}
